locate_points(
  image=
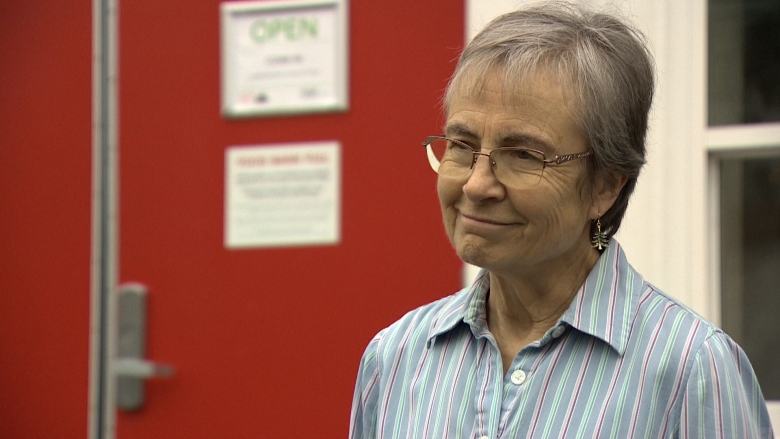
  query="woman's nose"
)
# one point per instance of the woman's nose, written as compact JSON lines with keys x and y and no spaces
{"x":482,"y":182}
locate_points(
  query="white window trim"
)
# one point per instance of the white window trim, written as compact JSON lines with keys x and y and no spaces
{"x":751,"y":139}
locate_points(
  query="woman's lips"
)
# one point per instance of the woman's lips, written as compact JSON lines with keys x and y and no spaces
{"x":482,"y":221}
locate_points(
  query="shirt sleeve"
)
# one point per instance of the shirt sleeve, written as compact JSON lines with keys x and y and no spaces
{"x":362,"y":423}
{"x":722,"y":397}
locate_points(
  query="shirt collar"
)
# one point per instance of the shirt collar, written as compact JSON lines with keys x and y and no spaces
{"x":468,"y":306}
{"x":604,"y":306}
{"x":607,"y":302}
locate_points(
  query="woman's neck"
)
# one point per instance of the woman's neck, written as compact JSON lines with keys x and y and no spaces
{"x":522,"y":306}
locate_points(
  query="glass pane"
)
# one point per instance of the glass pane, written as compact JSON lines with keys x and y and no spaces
{"x":750,"y":256}
{"x":744,"y":61}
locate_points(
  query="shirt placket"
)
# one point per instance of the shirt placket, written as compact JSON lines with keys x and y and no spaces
{"x":514,"y":384}
{"x":490,"y":397}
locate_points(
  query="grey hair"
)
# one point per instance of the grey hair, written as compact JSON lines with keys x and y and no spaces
{"x":603,"y":62}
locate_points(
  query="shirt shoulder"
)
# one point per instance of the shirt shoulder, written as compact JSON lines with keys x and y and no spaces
{"x":721,"y":377}
{"x":669,"y":331}
{"x":656,"y":304}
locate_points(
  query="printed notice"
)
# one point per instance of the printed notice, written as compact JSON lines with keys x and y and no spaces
{"x":283,"y":195}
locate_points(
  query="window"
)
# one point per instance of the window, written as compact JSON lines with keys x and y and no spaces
{"x":744,"y":146}
{"x":750,"y":262}
{"x":744,"y":61}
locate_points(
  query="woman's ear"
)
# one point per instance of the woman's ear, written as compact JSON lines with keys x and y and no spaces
{"x":605,"y":192}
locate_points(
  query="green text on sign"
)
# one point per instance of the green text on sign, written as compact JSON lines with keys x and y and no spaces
{"x":289,"y":28}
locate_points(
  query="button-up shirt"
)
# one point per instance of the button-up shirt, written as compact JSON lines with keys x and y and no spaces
{"x":624,"y":361}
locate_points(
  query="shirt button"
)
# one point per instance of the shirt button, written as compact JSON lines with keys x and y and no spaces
{"x":558,"y":331}
{"x":518,"y":377}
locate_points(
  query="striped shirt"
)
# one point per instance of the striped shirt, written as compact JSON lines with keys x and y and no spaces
{"x":624,"y":361}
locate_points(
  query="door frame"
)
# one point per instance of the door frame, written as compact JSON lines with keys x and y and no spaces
{"x":105,"y":194}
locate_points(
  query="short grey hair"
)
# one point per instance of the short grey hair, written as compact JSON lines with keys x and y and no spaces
{"x":604,"y":63}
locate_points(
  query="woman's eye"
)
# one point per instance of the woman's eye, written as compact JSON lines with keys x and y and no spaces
{"x":459,"y":146}
{"x":522,"y":154}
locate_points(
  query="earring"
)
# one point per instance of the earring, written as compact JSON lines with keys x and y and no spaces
{"x":600,"y":241}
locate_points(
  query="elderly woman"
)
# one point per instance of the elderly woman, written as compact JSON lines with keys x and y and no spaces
{"x":546,"y":117}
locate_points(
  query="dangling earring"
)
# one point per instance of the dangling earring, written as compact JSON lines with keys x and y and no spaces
{"x":600,"y":240}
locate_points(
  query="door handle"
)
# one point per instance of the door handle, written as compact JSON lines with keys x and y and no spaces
{"x":131,"y":368}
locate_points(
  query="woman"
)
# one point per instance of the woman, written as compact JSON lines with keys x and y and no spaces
{"x":558,"y":336}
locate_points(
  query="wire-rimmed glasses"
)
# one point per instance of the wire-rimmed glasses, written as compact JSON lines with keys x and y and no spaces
{"x":513,"y":166}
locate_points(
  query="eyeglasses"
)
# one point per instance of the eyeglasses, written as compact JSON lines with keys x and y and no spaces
{"x":513,"y":166}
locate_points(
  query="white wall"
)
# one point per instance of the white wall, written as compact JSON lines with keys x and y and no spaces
{"x":665,"y":229}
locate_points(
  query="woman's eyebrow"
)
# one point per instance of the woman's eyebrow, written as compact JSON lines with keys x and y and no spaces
{"x":526,"y":141}
{"x":512,"y":139}
{"x":459,"y":129}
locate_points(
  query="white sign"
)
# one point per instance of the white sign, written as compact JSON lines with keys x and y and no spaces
{"x":284,"y":57}
{"x":283,"y":195}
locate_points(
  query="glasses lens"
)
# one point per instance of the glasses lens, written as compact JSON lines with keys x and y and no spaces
{"x":518,"y":167}
{"x":450,"y":158}
{"x":514,"y":167}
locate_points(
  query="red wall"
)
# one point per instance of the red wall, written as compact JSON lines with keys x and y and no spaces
{"x":45,"y":146}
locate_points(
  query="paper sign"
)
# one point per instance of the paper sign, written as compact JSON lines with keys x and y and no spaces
{"x":283,"y":195}
{"x":283,"y":57}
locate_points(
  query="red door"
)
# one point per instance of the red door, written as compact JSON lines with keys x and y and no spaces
{"x":267,"y":341}
{"x":45,"y":171}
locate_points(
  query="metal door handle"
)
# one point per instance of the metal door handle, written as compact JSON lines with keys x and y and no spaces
{"x":135,"y":368}
{"x":131,"y":368}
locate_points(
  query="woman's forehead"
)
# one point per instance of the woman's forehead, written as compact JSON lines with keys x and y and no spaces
{"x":516,"y":88}
{"x":538,"y":89}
